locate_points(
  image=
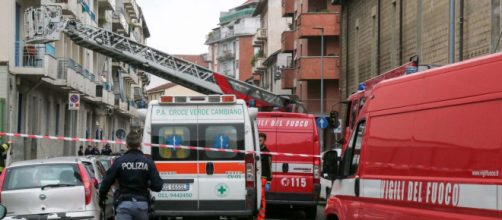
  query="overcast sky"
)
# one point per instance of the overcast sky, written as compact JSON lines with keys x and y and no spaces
{"x":181,"y":26}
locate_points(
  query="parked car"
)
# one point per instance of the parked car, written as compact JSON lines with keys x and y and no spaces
{"x":97,"y":173}
{"x":106,"y":161}
{"x":43,"y":188}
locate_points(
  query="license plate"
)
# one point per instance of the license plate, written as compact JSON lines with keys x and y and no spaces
{"x":176,"y":187}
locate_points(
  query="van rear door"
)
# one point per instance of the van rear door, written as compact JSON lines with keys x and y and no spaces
{"x":293,"y":174}
{"x":222,"y":127}
{"x":175,"y":125}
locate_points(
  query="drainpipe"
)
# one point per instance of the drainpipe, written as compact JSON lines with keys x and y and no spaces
{"x":451,"y":33}
{"x":378,"y":37}
{"x":461,"y":32}
{"x":400,"y":32}
{"x":345,"y":8}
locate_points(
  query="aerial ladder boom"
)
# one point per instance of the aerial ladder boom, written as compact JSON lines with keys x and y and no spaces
{"x":45,"y":24}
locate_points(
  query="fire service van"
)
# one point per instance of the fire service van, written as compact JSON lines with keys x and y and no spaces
{"x":295,"y":180}
{"x":424,"y":146}
{"x":203,"y":182}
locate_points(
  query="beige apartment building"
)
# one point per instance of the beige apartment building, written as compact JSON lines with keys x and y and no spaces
{"x":270,"y":59}
{"x":36,"y":79}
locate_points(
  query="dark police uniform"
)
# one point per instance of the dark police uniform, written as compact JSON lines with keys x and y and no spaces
{"x":135,"y":174}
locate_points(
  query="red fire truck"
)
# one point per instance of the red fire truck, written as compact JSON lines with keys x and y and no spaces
{"x":424,"y":146}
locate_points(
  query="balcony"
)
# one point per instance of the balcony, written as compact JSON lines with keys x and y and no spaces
{"x":288,"y":41}
{"x":262,"y":33}
{"x":131,"y":8}
{"x":121,"y":105}
{"x":330,"y":21}
{"x":71,"y":77}
{"x":69,"y":7}
{"x":35,"y":60}
{"x":288,"y":8}
{"x":288,"y":78}
{"x":258,"y":65}
{"x":120,"y":24}
{"x":145,"y":77}
{"x":107,"y":4}
{"x":104,"y":94}
{"x":308,"y":68}
{"x":106,"y":20}
{"x":256,"y":77}
{"x":226,"y":55}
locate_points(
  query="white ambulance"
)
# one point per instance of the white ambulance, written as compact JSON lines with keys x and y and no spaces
{"x":203,"y":182}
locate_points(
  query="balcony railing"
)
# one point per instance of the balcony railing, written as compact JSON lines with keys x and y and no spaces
{"x":288,"y":41}
{"x":107,"y":4}
{"x":131,"y":8}
{"x":226,"y":55}
{"x":307,"y":22}
{"x":69,"y":7}
{"x":35,"y":59}
{"x":288,"y":8}
{"x":288,"y":78}
{"x":119,"y":22}
{"x":309,"y":68}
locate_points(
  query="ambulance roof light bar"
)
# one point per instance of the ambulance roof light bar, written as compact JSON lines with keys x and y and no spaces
{"x":198,"y":99}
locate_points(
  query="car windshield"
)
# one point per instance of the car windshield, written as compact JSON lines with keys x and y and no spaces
{"x":106,"y":163}
{"x":35,"y":176}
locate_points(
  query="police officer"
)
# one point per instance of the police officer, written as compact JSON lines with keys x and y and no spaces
{"x":135,"y":174}
{"x":4,"y":148}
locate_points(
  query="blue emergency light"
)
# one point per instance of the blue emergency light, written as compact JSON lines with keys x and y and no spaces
{"x":361,"y":87}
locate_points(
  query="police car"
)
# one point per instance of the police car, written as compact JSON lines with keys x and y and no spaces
{"x":222,"y":181}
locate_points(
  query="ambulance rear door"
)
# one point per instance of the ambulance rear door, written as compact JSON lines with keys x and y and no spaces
{"x":176,"y":125}
{"x":222,"y":174}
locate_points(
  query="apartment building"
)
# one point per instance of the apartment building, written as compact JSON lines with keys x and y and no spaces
{"x":231,"y":43}
{"x":270,"y":59}
{"x":311,"y":20}
{"x":36,"y":79}
{"x":170,"y":89}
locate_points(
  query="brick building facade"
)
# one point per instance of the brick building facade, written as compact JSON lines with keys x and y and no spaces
{"x":381,"y":34}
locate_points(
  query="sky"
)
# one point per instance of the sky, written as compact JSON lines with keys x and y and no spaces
{"x":181,"y":26}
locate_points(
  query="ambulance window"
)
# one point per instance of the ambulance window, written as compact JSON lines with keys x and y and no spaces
{"x":352,"y":163}
{"x":177,"y":135}
{"x":222,"y":137}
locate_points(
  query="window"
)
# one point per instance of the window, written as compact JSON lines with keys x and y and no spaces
{"x":353,"y":153}
{"x":178,"y":135}
{"x":222,"y":137}
{"x":353,"y":114}
{"x":36,"y":176}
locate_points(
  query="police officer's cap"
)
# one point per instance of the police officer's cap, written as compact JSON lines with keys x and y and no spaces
{"x":133,"y":139}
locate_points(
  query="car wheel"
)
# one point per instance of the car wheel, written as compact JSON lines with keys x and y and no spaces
{"x":311,"y":212}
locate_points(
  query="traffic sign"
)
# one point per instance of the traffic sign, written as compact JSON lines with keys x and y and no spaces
{"x":322,"y":122}
{"x":73,"y":101}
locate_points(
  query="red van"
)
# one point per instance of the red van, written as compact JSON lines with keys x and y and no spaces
{"x":425,"y":146}
{"x":295,"y":179}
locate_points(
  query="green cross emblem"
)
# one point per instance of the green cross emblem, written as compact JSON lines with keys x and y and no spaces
{"x":221,"y":190}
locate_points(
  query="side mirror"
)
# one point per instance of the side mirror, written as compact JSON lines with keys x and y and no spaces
{"x":3,"y":211}
{"x":330,"y":165}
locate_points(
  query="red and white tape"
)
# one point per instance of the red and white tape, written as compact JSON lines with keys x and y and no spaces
{"x":88,"y":140}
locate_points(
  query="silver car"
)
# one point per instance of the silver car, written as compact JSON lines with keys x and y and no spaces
{"x":59,"y":188}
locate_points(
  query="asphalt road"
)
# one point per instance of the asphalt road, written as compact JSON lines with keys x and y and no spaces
{"x":283,"y":213}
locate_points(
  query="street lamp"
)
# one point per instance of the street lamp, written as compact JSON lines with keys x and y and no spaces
{"x":321,"y":135}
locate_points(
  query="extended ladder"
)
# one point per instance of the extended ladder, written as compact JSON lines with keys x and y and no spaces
{"x":45,"y":24}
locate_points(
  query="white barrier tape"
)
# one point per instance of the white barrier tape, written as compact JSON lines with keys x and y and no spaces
{"x":75,"y":139}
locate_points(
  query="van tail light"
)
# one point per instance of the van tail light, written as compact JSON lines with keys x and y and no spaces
{"x":250,"y":171}
{"x":317,"y":174}
{"x":2,"y":179}
{"x":87,"y":184}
